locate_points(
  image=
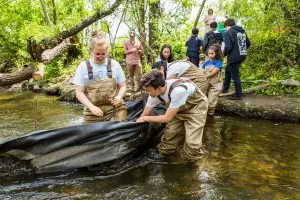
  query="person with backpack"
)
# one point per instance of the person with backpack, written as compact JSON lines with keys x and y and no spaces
{"x":236,"y":45}
{"x":212,"y":37}
{"x":185,"y":116}
{"x":194,"y":44}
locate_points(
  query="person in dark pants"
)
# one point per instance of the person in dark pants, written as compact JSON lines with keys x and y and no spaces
{"x":193,"y":44}
{"x":236,"y":45}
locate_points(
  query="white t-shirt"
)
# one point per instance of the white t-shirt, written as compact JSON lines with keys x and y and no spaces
{"x":99,"y":72}
{"x":178,"y":67}
{"x":158,"y":59}
{"x":179,"y":95}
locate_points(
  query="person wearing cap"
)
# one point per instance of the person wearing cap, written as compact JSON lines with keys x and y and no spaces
{"x":182,"y":68}
{"x":133,"y":51}
{"x":185,"y":116}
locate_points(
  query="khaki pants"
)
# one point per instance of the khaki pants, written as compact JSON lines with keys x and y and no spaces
{"x":135,"y":73}
{"x":187,"y":128}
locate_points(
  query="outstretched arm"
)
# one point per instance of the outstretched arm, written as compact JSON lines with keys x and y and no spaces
{"x":168,"y":116}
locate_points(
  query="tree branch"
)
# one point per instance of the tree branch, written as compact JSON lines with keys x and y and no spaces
{"x":199,"y":13}
{"x":90,"y":20}
{"x":287,"y":60}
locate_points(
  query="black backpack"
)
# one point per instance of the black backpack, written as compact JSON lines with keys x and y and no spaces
{"x":214,"y":38}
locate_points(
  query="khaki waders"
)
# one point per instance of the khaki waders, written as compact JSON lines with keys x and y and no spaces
{"x":187,"y":125}
{"x":215,"y":84}
{"x":100,"y":93}
{"x":196,"y":75}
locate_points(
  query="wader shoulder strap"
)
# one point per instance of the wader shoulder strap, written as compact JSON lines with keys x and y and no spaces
{"x":109,"y":71}
{"x":180,"y":61}
{"x":161,"y":99}
{"x":176,"y":84}
{"x":90,"y":69}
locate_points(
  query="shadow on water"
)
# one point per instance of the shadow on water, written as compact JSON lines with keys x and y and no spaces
{"x":244,"y":159}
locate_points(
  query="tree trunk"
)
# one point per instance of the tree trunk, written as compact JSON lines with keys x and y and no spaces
{"x":12,"y":78}
{"x":153,"y":26}
{"x":47,"y":19}
{"x":142,"y":21}
{"x":54,"y":12}
{"x":199,"y":13}
{"x":49,"y":54}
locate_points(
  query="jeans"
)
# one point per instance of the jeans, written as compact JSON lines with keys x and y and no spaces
{"x":195,"y":60}
{"x":232,"y":72}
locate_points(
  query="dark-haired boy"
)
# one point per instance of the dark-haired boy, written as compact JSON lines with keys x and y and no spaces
{"x":193,"y":44}
{"x":236,"y":45}
{"x":185,"y":116}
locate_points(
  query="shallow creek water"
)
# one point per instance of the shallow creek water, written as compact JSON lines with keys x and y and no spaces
{"x":244,"y":159}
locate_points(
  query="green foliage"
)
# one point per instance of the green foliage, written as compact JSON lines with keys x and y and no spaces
{"x":273,"y":28}
{"x":53,"y":70}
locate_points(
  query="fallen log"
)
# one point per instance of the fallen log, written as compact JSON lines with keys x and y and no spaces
{"x":48,"y":55}
{"x":288,"y":83}
{"x":16,"y":77}
{"x":38,"y":75}
{"x":248,"y":90}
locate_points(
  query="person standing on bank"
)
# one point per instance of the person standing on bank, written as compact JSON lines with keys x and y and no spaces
{"x":133,"y":51}
{"x":185,"y":116}
{"x":101,"y":84}
{"x":212,"y":70}
{"x":236,"y":45}
{"x":182,"y":68}
{"x":208,"y":19}
{"x":194,"y":44}
{"x":166,"y":53}
{"x":212,"y":37}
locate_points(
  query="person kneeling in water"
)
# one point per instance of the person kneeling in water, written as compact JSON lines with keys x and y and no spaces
{"x":185,"y":116}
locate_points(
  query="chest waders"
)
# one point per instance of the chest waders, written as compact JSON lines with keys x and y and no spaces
{"x":214,"y":89}
{"x":100,"y":93}
{"x":187,"y":125}
{"x":196,"y":75}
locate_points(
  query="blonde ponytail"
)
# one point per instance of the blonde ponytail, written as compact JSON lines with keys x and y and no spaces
{"x":98,"y":38}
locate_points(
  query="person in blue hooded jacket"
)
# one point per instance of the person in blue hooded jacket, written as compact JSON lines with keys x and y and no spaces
{"x":236,"y":45}
{"x":194,"y":44}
